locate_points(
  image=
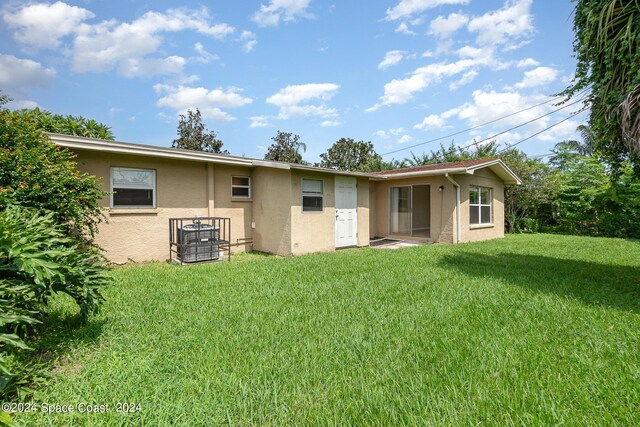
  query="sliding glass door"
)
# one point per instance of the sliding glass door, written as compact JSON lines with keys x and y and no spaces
{"x":410,"y":210}
{"x":400,"y":212}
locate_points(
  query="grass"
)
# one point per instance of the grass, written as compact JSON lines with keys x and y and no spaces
{"x":528,"y":330}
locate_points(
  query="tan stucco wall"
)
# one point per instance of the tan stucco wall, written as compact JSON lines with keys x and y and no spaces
{"x":363,"y":212}
{"x":442,"y":206}
{"x":316,"y":231}
{"x":239,"y":210}
{"x":272,"y":210}
{"x":312,"y":231}
{"x":483,"y":178}
{"x":144,"y":235}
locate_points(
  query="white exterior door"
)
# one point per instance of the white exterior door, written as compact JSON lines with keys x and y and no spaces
{"x":346,"y":212}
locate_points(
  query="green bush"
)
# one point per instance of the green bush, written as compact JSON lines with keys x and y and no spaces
{"x":37,"y":259}
{"x":43,"y":176}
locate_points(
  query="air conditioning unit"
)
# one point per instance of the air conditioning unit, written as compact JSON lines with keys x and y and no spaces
{"x":198,"y":242}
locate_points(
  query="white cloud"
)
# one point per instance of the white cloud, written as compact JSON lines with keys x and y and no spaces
{"x":504,"y":26}
{"x":404,"y":29}
{"x":18,"y":74}
{"x":537,"y":77}
{"x":271,"y":14}
{"x":259,"y":122}
{"x":466,"y":78}
{"x":442,"y":27}
{"x":431,"y":122}
{"x":42,"y":25}
{"x":330,"y":123}
{"x":127,"y":47}
{"x":406,"y":8}
{"x":147,"y":67}
{"x":209,"y":101}
{"x":204,"y":56}
{"x":528,"y":62}
{"x":293,"y":100}
{"x":382,"y":134}
{"x":391,"y":58}
{"x":487,"y":106}
{"x":21,"y":104}
{"x":109,"y":44}
{"x":400,"y":91}
{"x":249,"y":41}
{"x":404,"y":139}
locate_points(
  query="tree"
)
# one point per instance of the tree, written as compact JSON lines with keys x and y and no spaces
{"x":286,"y":148}
{"x":67,"y":125}
{"x":526,"y":204}
{"x":607,"y":48}
{"x":453,"y":153}
{"x":349,"y":155}
{"x":193,"y":135}
{"x":589,"y":200}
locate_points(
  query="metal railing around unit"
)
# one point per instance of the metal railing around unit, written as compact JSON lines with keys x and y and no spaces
{"x":199,"y":239}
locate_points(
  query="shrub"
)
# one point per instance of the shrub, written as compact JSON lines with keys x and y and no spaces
{"x":44,"y":176}
{"x":37,"y":259}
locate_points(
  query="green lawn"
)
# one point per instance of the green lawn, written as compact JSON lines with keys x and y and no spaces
{"x":527,"y":330}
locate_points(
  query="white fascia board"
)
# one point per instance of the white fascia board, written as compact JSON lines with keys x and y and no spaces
{"x":422,"y":173}
{"x":270,"y":164}
{"x":91,"y":144}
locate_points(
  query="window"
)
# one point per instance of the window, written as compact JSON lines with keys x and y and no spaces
{"x":479,"y":205}
{"x":312,"y":195}
{"x":241,"y":187}
{"x":133,"y":188}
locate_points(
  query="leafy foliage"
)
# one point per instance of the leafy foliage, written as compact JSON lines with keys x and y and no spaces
{"x":193,"y":135}
{"x":48,"y":213}
{"x":67,"y":125}
{"x":453,"y":153}
{"x":45,"y":177}
{"x":607,"y":47}
{"x":286,"y":148}
{"x":526,"y":204}
{"x":38,"y":259}
{"x":349,"y":155}
{"x":590,"y":201}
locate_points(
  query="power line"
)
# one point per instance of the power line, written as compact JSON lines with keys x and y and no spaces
{"x":520,"y":125}
{"x":543,"y":130}
{"x":488,"y":123}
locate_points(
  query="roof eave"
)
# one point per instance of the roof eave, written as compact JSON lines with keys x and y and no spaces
{"x":91,"y":144}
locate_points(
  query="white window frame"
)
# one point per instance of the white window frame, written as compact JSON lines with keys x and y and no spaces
{"x":240,"y":186}
{"x":480,"y":205}
{"x":111,"y":188}
{"x":311,"y":194}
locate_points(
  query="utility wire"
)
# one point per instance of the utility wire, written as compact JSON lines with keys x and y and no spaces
{"x":520,"y":125}
{"x":514,"y":127}
{"x":488,"y":123}
{"x":543,"y":130}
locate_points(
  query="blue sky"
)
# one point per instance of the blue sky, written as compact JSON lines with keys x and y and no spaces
{"x":396,"y":73}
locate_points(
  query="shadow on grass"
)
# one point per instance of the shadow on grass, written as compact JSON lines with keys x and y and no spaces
{"x":594,"y":283}
{"x":51,"y":343}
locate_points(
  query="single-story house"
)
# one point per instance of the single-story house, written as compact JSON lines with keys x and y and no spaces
{"x":284,"y":208}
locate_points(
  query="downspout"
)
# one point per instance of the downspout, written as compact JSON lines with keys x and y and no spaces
{"x":459,"y":228}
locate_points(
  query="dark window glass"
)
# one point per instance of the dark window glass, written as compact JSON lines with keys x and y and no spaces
{"x":485,"y":214}
{"x":132,"y":197}
{"x":311,"y":204}
{"x":484,"y":196}
{"x":474,"y":215}
{"x":240,"y":191}
{"x":473,"y":196}
{"x":240,"y":180}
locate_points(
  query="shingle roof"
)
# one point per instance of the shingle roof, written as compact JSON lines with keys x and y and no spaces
{"x":451,"y":165}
